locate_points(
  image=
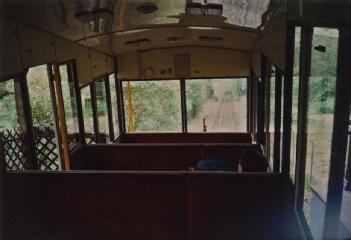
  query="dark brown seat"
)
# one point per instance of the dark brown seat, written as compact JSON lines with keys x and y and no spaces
{"x":104,"y":205}
{"x":241,"y":137}
{"x":165,"y":157}
{"x":239,"y":206}
{"x":147,"y":205}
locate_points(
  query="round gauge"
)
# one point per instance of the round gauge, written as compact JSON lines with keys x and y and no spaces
{"x":149,"y":72}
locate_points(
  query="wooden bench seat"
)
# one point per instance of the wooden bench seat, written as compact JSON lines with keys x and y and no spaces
{"x":240,"y":206}
{"x":147,"y":205}
{"x":96,"y":205}
{"x":240,"y":137}
{"x":154,"y":157}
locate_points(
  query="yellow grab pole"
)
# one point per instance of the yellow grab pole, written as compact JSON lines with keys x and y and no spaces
{"x":61,"y":116}
{"x":130,"y":108}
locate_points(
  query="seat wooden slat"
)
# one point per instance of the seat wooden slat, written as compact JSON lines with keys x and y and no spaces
{"x":96,"y":206}
{"x":154,"y":156}
{"x":242,"y":137}
{"x":147,"y":205}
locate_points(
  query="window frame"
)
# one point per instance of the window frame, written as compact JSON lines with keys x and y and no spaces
{"x":182,"y":83}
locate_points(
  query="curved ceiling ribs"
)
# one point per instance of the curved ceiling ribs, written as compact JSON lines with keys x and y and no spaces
{"x":165,"y":21}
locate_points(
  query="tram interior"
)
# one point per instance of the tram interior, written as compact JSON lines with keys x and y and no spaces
{"x":107,"y":105}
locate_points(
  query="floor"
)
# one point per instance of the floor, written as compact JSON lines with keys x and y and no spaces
{"x":346,"y":210}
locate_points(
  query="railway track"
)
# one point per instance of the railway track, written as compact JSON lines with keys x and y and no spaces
{"x":225,"y":117}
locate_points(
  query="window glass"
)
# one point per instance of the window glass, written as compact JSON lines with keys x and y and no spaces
{"x":152,"y":106}
{"x":345,"y":228}
{"x":11,"y":132}
{"x":101,"y":104}
{"x":8,"y":106}
{"x":282,"y":121}
{"x":216,"y":105}
{"x":69,"y":101}
{"x":47,"y":151}
{"x":321,"y":99}
{"x":295,"y":100}
{"x":87,"y":114}
{"x":114,"y":105}
{"x":271,"y":113}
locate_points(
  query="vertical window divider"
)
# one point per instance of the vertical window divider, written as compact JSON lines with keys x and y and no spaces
{"x":120,"y":104}
{"x":249,"y":102}
{"x":183,"y":106}
{"x":109,"y":108}
{"x":288,"y":91}
{"x":73,"y":70}
{"x":28,"y":122}
{"x":94,"y":109}
{"x":58,"y":98}
{"x":267,"y":111}
{"x":339,"y":137}
{"x":255,"y":98}
{"x":277,"y":120}
{"x":54,"y":108}
{"x":305,"y":67}
{"x":261,"y":99}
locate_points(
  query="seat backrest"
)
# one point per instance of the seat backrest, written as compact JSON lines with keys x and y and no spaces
{"x":236,"y":205}
{"x":96,"y":205}
{"x":241,"y":137}
{"x":147,"y":205}
{"x":154,"y":157}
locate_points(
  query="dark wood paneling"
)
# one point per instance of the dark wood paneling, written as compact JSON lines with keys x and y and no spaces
{"x":166,"y":157}
{"x":147,"y":205}
{"x":186,"y":138}
{"x":96,"y":206}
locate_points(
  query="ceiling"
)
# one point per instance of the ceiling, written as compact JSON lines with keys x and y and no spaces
{"x":129,"y":21}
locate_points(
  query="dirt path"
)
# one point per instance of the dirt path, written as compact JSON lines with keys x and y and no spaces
{"x":225,"y":115}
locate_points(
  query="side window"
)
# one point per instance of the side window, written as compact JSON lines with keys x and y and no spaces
{"x":152,"y":106}
{"x":270,"y":132}
{"x":295,"y":98}
{"x":88,"y":115}
{"x":101,"y":108}
{"x":69,"y":102}
{"x":321,"y":101}
{"x":114,"y":106}
{"x":345,"y":207}
{"x":42,"y":104}
{"x":11,"y":127}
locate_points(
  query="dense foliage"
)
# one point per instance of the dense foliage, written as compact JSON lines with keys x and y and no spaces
{"x":8,"y":114}
{"x":156,"y":105}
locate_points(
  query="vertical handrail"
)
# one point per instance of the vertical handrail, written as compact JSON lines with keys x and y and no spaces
{"x":61,"y":116}
{"x":130,"y":109}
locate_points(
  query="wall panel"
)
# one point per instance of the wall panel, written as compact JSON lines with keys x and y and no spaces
{"x":37,"y":46}
{"x":10,"y":60}
{"x":204,"y":62}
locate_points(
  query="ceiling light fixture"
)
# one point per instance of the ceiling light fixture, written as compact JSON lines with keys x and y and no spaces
{"x":203,"y":28}
{"x":138,"y":42}
{"x":174,"y":39}
{"x":212,"y":9}
{"x":211,"y":39}
{"x":147,"y":8}
{"x":98,"y":14}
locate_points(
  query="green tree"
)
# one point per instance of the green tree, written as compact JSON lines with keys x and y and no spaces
{"x":156,"y":105}
{"x":195,"y":96}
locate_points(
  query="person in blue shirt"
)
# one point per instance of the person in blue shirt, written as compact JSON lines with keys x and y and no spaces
{"x":250,"y":161}
{"x":215,"y":165}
